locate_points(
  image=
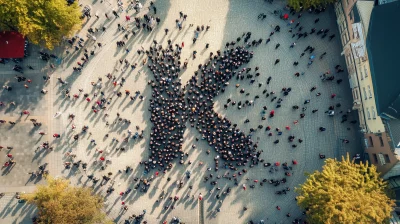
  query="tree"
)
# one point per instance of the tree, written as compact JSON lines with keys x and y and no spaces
{"x":59,"y":202}
{"x":305,"y":4}
{"x":345,"y":192}
{"x":43,"y":22}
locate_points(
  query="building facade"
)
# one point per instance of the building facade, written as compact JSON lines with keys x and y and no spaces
{"x":353,"y":19}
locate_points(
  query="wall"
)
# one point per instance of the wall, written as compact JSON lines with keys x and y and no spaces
{"x":377,"y":148}
{"x":358,"y":68}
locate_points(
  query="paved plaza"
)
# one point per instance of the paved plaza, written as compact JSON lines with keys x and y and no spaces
{"x":228,"y":20}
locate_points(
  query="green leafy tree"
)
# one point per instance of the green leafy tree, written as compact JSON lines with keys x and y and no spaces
{"x":296,"y":4}
{"x":59,"y":202}
{"x":345,"y":192}
{"x":44,"y":22}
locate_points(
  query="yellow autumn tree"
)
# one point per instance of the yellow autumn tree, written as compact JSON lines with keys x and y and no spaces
{"x":345,"y":192}
{"x":59,"y":202}
{"x":43,"y":22}
{"x":306,"y":4}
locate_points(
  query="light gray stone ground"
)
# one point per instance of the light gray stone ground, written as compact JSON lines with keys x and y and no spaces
{"x":228,"y":20}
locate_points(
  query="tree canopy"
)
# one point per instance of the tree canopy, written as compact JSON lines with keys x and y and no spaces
{"x":44,"y":22}
{"x":59,"y":202}
{"x":297,"y":4}
{"x":345,"y":192}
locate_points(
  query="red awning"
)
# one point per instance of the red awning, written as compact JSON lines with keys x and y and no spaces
{"x":11,"y":44}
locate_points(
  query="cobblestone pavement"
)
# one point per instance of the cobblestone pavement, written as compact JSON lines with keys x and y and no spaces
{"x":228,"y":20}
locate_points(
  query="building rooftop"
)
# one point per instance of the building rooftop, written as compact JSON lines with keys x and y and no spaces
{"x":364,"y":11}
{"x":383,"y":47}
{"x":381,"y":2}
{"x":394,"y":128}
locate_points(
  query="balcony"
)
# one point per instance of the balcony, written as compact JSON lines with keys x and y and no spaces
{"x":356,"y":105}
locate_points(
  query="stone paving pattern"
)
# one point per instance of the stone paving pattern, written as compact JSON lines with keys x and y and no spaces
{"x":228,"y":20}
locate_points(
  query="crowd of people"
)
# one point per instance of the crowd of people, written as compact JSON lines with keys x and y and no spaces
{"x":171,"y":107}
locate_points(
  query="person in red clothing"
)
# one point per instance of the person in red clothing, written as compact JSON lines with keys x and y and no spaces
{"x":56,"y":135}
{"x":272,"y":113}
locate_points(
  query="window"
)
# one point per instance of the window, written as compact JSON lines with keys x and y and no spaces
{"x":371,"y":143}
{"x":347,"y":2}
{"x":381,"y":140}
{"x":345,"y":39}
{"x":365,"y":93}
{"x":387,"y":159}
{"x":369,"y":91}
{"x":365,"y":71}
{"x":348,"y":60}
{"x":381,"y":159}
{"x":355,"y":94}
{"x":368,"y":114}
{"x":362,"y":77}
{"x":361,"y":117}
{"x":373,"y":113}
{"x":375,"y":158}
